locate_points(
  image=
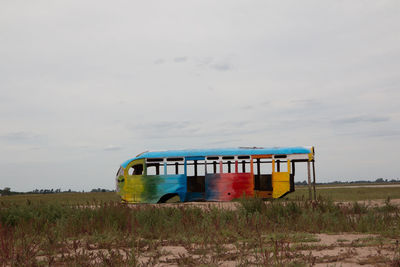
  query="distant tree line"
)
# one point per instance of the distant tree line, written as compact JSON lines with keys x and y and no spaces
{"x":7,"y":191}
{"x":379,"y":180}
{"x":99,"y":190}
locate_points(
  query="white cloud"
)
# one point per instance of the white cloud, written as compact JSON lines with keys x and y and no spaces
{"x":112,"y":148}
{"x":83,"y":79}
{"x":180,"y":59}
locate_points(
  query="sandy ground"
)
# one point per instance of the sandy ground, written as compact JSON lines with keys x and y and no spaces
{"x":339,"y":249}
{"x":346,"y":249}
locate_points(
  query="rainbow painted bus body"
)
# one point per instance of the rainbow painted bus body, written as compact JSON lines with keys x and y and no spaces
{"x":210,"y":174}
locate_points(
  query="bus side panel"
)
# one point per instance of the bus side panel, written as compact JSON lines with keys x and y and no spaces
{"x":215,"y":187}
{"x":194,"y":196}
{"x":228,"y":186}
{"x":172,"y":184}
{"x":280,"y":183}
{"x":132,"y":189}
{"x":243,"y":184}
{"x":149,"y":189}
{"x":131,"y":185}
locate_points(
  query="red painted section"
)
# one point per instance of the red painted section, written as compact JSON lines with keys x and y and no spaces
{"x":227,"y":186}
{"x":242,"y":183}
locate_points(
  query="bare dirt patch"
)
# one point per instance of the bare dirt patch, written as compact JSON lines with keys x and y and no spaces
{"x":344,"y":249}
{"x":349,"y":249}
{"x":340,"y":239}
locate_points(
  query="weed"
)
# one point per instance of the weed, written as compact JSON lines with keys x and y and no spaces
{"x":114,"y":234}
{"x":251,"y":205}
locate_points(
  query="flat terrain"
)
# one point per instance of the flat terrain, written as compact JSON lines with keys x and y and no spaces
{"x":348,"y":192}
{"x":345,"y":227}
{"x":64,"y":198}
{"x":338,"y":192}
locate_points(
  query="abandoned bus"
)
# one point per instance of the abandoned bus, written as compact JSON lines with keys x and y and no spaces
{"x":210,"y":174}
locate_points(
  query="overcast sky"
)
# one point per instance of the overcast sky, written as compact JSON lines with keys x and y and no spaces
{"x":85,"y":85}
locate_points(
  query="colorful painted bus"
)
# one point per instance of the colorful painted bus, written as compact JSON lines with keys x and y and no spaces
{"x":210,"y":174}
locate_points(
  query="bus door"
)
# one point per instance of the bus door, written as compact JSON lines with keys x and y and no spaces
{"x":133,"y":187}
{"x":195,"y":173}
{"x":282,"y":180}
{"x":262,"y":170}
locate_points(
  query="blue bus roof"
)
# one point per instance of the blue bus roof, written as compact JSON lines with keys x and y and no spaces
{"x":222,"y":152}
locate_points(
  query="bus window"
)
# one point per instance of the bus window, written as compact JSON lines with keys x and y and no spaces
{"x":174,"y":159}
{"x":228,"y":166}
{"x":136,"y":169}
{"x":201,"y":168}
{"x":195,"y":167}
{"x":170,"y":169}
{"x":180,"y":168}
{"x":265,"y":166}
{"x":212,"y":166}
{"x":155,"y":169}
{"x":244,"y":166}
{"x":175,"y":168}
{"x":281,"y":166}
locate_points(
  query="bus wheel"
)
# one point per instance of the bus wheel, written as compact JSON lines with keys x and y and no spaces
{"x":170,"y":198}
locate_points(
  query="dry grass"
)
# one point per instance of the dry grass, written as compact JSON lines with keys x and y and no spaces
{"x":349,"y":194}
{"x":278,"y":233}
{"x":63,"y":198}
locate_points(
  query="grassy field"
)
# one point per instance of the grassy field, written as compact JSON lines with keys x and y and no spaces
{"x":335,"y":194}
{"x":93,"y":229}
{"x":62,"y":198}
{"x":355,"y":184}
{"x":349,"y":194}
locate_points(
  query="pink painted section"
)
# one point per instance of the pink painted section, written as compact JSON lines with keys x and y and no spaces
{"x":227,"y":186}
